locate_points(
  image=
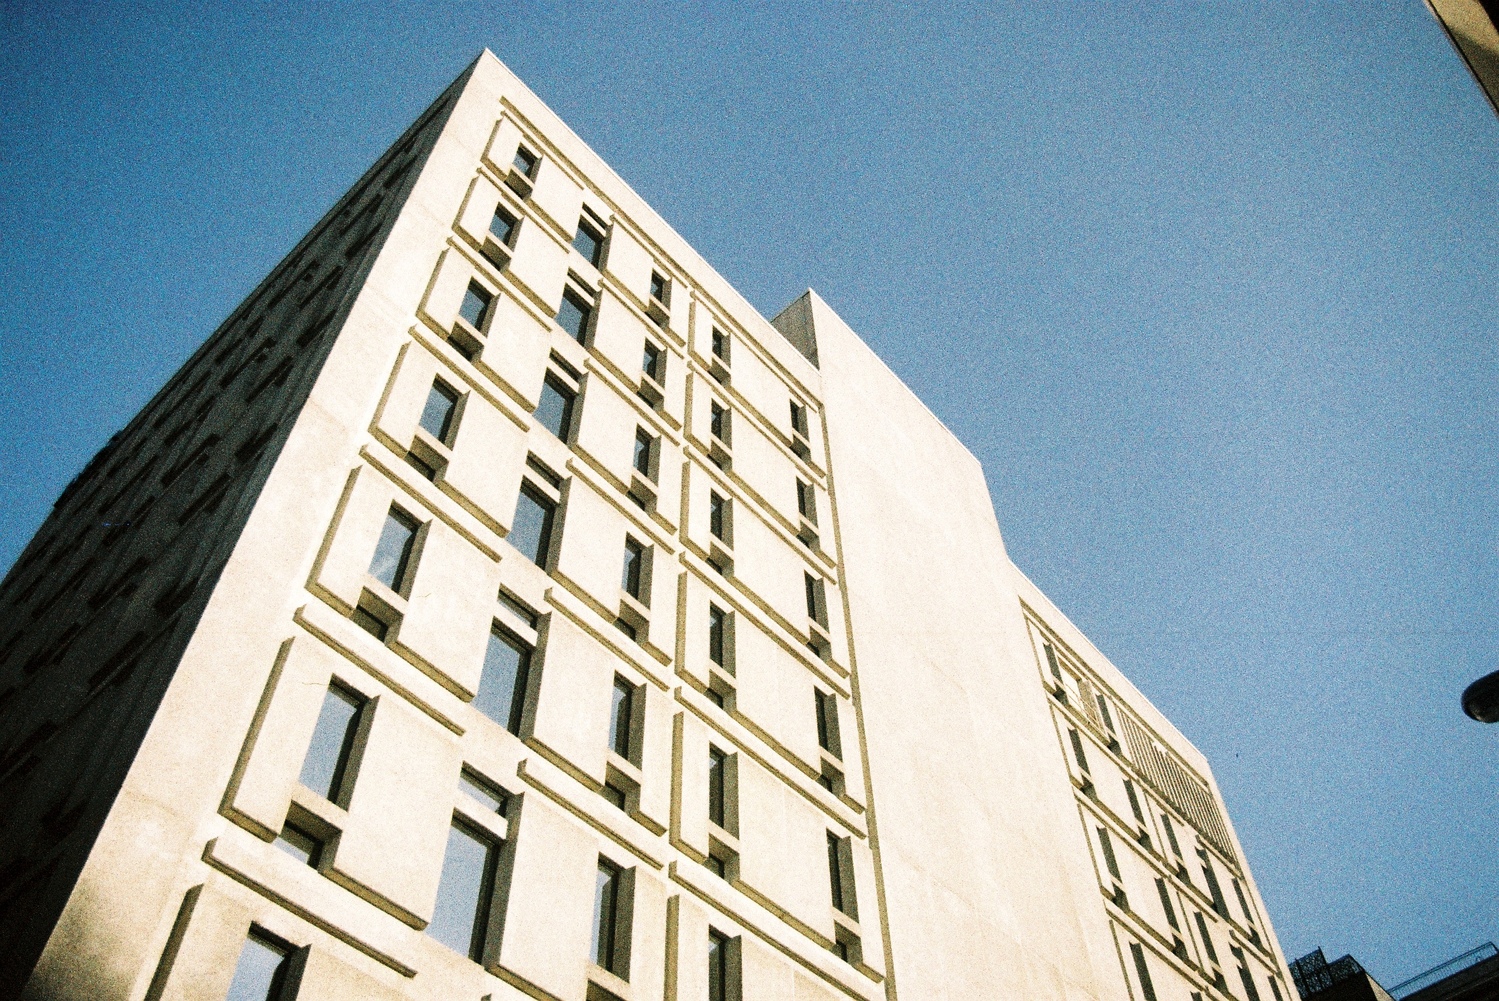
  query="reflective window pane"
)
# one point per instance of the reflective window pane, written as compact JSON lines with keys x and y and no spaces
{"x":621,"y":712}
{"x":437,"y":415}
{"x":260,"y":973}
{"x":573,"y":315}
{"x":555,"y":411}
{"x":531,"y":532}
{"x":589,"y":243}
{"x":393,"y":551}
{"x":502,"y":686}
{"x":461,"y":916}
{"x":324,"y":768}
{"x":475,"y":306}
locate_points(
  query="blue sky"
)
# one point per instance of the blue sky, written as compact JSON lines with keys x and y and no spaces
{"x":1210,"y":291}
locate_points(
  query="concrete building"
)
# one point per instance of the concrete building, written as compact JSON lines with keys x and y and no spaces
{"x":497,"y":606}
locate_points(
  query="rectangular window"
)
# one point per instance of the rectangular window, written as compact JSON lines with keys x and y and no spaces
{"x":622,"y":718}
{"x":1214,"y":890}
{"x":437,"y":415}
{"x":589,"y":242}
{"x":806,"y":501}
{"x":502,"y":685}
{"x":799,"y":418}
{"x":827,"y":723}
{"x":1108,"y":854}
{"x":1160,"y":885}
{"x":717,"y":766}
{"x":1134,"y":801}
{"x":633,"y":575}
{"x":817,"y":602}
{"x":841,"y":876}
{"x":1243,"y":902}
{"x":531,"y":532}
{"x":574,"y":314}
{"x":1056,"y":670}
{"x":460,"y":919}
{"x":475,"y":308}
{"x":718,"y":421}
{"x":262,"y":973}
{"x":326,"y":768}
{"x":1176,"y":847}
{"x":1077,"y":750}
{"x":526,"y":162}
{"x":555,"y":411}
{"x":720,"y":345}
{"x":1103,"y":709}
{"x":502,"y":226}
{"x":1207,"y":939}
{"x":717,"y":636}
{"x":645,"y":446}
{"x":606,"y":906}
{"x":491,"y":796}
{"x":301,"y":844}
{"x":718,"y":966}
{"x":654,"y":363}
{"x":660,"y":287}
{"x":393,"y":552}
{"x":718,"y":516}
{"x":1245,"y":977}
{"x":1147,"y":989}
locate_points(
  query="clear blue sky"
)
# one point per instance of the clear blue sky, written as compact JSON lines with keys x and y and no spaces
{"x":1211,"y":292}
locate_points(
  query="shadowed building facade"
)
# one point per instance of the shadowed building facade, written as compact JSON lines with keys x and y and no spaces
{"x":497,"y":606}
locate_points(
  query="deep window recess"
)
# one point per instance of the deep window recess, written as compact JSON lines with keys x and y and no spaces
{"x":654,"y":363}
{"x":1134,"y":801}
{"x":531,"y":533}
{"x":718,"y":516}
{"x":720,"y":345}
{"x":1160,"y":885}
{"x":806,"y":501}
{"x":575,"y":313}
{"x":718,"y":966}
{"x":1209,"y":874}
{"x":1108,"y":853}
{"x":502,"y":686}
{"x":717,"y":766}
{"x":645,"y":444}
{"x":606,"y":908}
{"x":392,"y":559}
{"x":817,"y":603}
{"x":555,"y":411}
{"x":718,"y":421}
{"x":717,"y":636}
{"x":589,"y":242}
{"x":660,"y":287}
{"x":1077,"y":750}
{"x":526,"y":162}
{"x":1147,"y":989}
{"x":460,"y":919}
{"x":325,"y":769}
{"x":482,"y":790}
{"x":475,"y":308}
{"x":262,"y":973}
{"x":1245,"y":977}
{"x":799,"y":418}
{"x":301,"y":844}
{"x":841,"y":876}
{"x":622,"y":717}
{"x":1176,"y":848}
{"x":502,"y":226}
{"x":1207,"y":938}
{"x":633,"y":575}
{"x":827,"y":723}
{"x":437,"y":415}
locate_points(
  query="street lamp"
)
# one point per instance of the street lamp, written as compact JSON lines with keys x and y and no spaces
{"x":1481,"y":699}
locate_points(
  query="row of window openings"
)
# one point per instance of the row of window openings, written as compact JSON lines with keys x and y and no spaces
{"x":1251,"y":992}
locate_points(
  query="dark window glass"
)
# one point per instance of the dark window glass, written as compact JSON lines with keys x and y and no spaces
{"x":437,"y":415}
{"x":634,"y":567}
{"x":1207,"y":939}
{"x":555,"y":411}
{"x":589,"y":243}
{"x":532,"y":530}
{"x":475,"y":306}
{"x":717,"y":764}
{"x":393,"y":551}
{"x":718,"y":966}
{"x":839,"y":876}
{"x":716,"y":697}
{"x":717,"y":515}
{"x":1051,"y":659}
{"x":1108,"y":853}
{"x":626,"y":628}
{"x":1160,"y":885}
{"x":1103,"y":709}
{"x":502,"y":686}
{"x":1077,"y":750}
{"x":1176,"y":847}
{"x":1147,"y":989}
{"x":658,"y":287}
{"x":654,"y":364}
{"x":1246,"y":978}
{"x":799,"y":418}
{"x":525,"y":161}
{"x":806,"y":501}
{"x":817,"y":607}
{"x":643,"y":443}
{"x":606,"y":915}
{"x":502,"y":226}
{"x":716,"y":629}
{"x":325,"y":769}
{"x":718,"y":421}
{"x":1134,"y":801}
{"x":461,"y":917}
{"x":573,"y":315}
{"x":621,"y":716}
{"x":300,"y":844}
{"x":1209,"y":874}
{"x":721,"y":345}
{"x":260,"y":974}
{"x":827,"y":723}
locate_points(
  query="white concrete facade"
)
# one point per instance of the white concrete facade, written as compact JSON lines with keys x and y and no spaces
{"x":779,"y":681}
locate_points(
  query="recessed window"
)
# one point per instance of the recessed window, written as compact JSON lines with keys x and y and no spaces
{"x":806,"y":501}
{"x":475,"y":308}
{"x":654,"y":363}
{"x":718,"y":764}
{"x":607,"y":904}
{"x":633,"y":576}
{"x":392,"y":559}
{"x":718,"y":421}
{"x":645,"y":444}
{"x":589,"y":242}
{"x":437,"y":415}
{"x":828,"y":737}
{"x":817,"y":601}
{"x":531,"y":532}
{"x":1245,"y":977}
{"x":502,"y":685}
{"x":575,"y":313}
{"x":325,"y":769}
{"x":460,"y":920}
{"x":1176,"y":848}
{"x":555,"y":411}
{"x":502,"y":226}
{"x":799,"y":418}
{"x":719,"y":968}
{"x":841,"y":875}
{"x":1103,"y":710}
{"x":262,"y":971}
{"x":660,"y":287}
{"x":1107,"y":847}
{"x":1160,"y":885}
{"x":720,"y":345}
{"x":718,"y":516}
{"x":1214,"y":890}
{"x":1147,"y":989}
{"x":621,"y":717}
{"x":718,"y":636}
{"x":1134,"y":801}
{"x":486,"y":793}
{"x":526,"y":162}
{"x":1077,"y":750}
{"x":1207,"y":938}
{"x":301,"y":844}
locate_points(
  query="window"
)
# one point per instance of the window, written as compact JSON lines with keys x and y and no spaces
{"x":720,"y":345}
{"x":263,"y":970}
{"x":325,"y":769}
{"x":1243,"y":902}
{"x":1134,"y":801}
{"x":718,"y":421}
{"x":460,"y":920}
{"x":718,"y":516}
{"x":589,"y":242}
{"x":633,"y":577}
{"x":817,"y":602}
{"x":502,"y":685}
{"x":575,"y":313}
{"x":718,"y":764}
{"x":555,"y":411}
{"x":493,"y":798}
{"x":798,"y":418}
{"x":718,"y":628}
{"x":645,"y":449}
{"x":607,"y":901}
{"x":526,"y":162}
{"x":393,"y":551}
{"x":1147,"y":989}
{"x":1103,"y":709}
{"x":622,"y":718}
{"x":1245,"y":977}
{"x":719,"y":969}
{"x":475,"y":308}
{"x":1109,"y":860}
{"x":300,"y":843}
{"x":1056,"y":670}
{"x":1077,"y":750}
{"x":437,"y":415}
{"x":1160,"y":885}
{"x":1207,"y":939}
{"x":660,"y":287}
{"x":654,"y":363}
{"x":531,"y":532}
{"x":502,"y":226}
{"x":806,"y":501}
{"x":841,"y":875}
{"x":827,"y":723}
{"x":1214,"y":890}
{"x":1176,"y":847}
